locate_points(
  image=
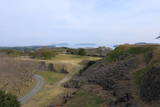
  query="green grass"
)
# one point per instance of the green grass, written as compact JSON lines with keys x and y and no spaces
{"x":69,"y":62}
{"x":51,"y":77}
{"x":85,"y":99}
{"x":139,"y":50}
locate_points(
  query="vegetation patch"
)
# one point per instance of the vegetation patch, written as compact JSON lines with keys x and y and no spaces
{"x":123,"y":52}
{"x":82,"y":52}
{"x":74,"y":59}
{"x":85,"y":99}
{"x":138,"y":75}
{"x":8,"y":100}
{"x":44,"y":54}
{"x":51,"y":77}
{"x":12,"y":52}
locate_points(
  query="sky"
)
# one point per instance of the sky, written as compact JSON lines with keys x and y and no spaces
{"x":103,"y":22}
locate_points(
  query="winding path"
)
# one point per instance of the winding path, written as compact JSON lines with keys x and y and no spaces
{"x":37,"y":88}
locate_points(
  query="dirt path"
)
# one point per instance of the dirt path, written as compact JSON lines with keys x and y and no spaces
{"x":49,"y":92}
{"x":34,"y":91}
{"x":67,"y":78}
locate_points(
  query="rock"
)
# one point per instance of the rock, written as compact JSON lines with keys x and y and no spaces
{"x":74,"y":83}
{"x":122,"y":94}
{"x":150,"y":86}
{"x":64,"y":71}
{"x":42,"y":66}
{"x":51,"y":67}
{"x":113,"y":102}
{"x":106,"y":83}
{"x":111,"y":72}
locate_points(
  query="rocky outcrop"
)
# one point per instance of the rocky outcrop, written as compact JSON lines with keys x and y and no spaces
{"x":51,"y":67}
{"x":150,"y":86}
{"x":74,"y":83}
{"x":122,"y":97}
{"x":43,"y":66}
{"x":117,"y":78}
{"x":107,"y":75}
{"x":111,"y":77}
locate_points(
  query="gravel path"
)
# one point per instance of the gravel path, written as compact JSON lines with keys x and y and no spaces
{"x":37,"y":88}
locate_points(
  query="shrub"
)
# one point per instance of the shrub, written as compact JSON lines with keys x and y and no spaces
{"x":72,"y":51}
{"x":115,"y":55}
{"x":82,"y":52}
{"x":139,"y":50}
{"x":121,"y":52}
{"x":44,"y":54}
{"x":12,"y":52}
{"x":8,"y":100}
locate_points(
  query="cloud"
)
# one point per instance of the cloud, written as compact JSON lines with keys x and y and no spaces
{"x":101,"y":21}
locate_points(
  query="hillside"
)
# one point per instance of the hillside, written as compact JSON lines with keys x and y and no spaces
{"x":128,"y":77}
{"x":55,"y":71}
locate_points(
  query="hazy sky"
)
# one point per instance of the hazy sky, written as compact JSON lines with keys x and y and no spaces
{"x":105,"y":22}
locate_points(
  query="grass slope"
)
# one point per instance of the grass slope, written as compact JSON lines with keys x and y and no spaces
{"x":51,"y":77}
{"x":85,"y":99}
{"x":53,"y":87}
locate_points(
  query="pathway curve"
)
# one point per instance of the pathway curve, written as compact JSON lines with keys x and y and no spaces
{"x":34,"y":91}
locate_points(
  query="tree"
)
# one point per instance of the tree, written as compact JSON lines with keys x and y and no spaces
{"x":8,"y":100}
{"x":82,"y":52}
{"x":44,"y":54}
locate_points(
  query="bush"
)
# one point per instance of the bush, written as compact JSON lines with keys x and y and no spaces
{"x":82,"y":52}
{"x":116,"y":54}
{"x":121,"y":52}
{"x":44,"y":54}
{"x":139,"y":50}
{"x":72,"y":51}
{"x":8,"y":100}
{"x":12,"y":52}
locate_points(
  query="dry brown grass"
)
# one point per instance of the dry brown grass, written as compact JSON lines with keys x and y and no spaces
{"x":51,"y":91}
{"x":16,"y":76}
